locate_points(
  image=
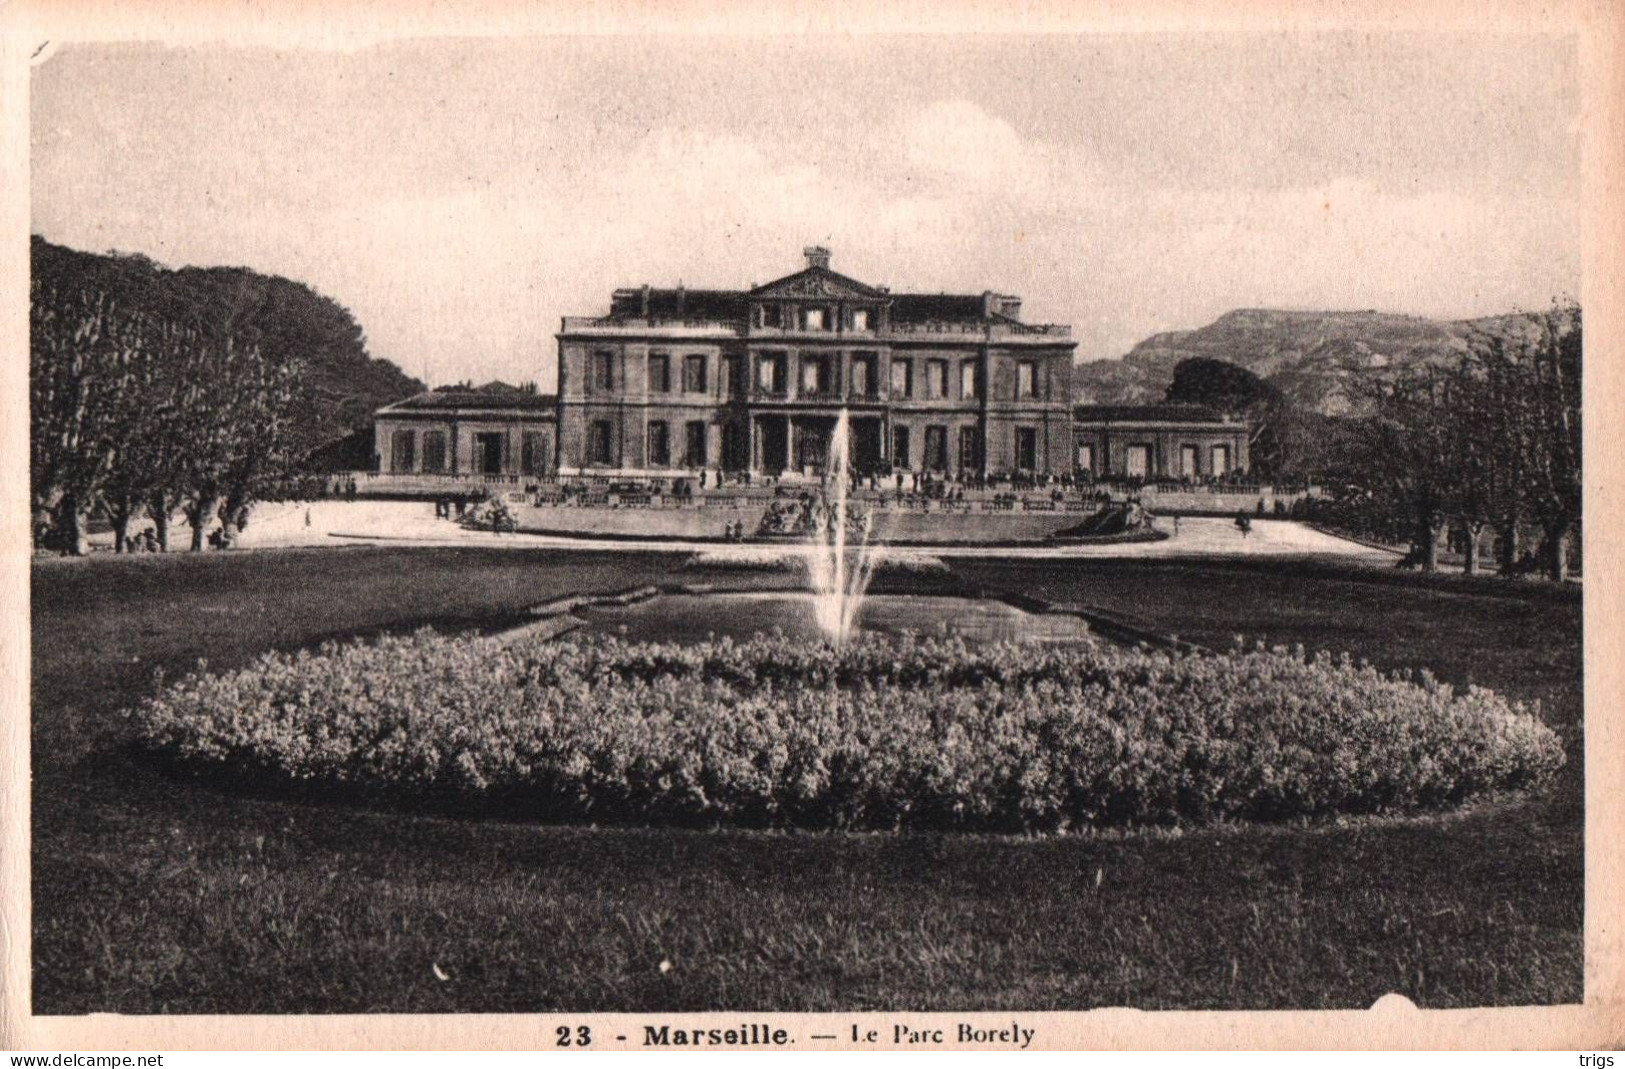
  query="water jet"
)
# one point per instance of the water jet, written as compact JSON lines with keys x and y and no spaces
{"x":838,"y":578}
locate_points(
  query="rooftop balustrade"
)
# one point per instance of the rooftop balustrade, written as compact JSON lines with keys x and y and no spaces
{"x":958,"y":329}
{"x":642,"y":324}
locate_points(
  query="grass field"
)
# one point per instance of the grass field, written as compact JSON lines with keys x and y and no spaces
{"x":153,"y":894}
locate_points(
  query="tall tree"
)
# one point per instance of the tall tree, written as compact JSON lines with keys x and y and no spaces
{"x":261,"y":445}
{"x":1490,"y":452}
{"x":1550,"y":431}
{"x":209,"y":431}
{"x":83,"y":344}
{"x":1407,"y":451}
{"x":1236,"y":392}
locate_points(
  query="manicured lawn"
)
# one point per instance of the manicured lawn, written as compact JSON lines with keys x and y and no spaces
{"x":157,"y":895}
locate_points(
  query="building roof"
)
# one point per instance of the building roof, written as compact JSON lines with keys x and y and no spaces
{"x":1164,"y":413}
{"x":492,"y":395}
{"x":815,"y":282}
{"x":734,"y":305}
{"x":692,"y":304}
{"x":938,"y":308}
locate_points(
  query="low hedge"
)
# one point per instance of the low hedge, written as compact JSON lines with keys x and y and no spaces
{"x":886,"y":733}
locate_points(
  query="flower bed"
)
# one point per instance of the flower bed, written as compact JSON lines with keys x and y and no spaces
{"x":883,"y":734}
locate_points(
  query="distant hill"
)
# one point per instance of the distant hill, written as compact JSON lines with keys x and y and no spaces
{"x":1313,"y":357}
{"x":342,"y":384}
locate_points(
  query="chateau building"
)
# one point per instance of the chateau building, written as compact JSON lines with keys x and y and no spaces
{"x":672,"y":382}
{"x":675,"y":380}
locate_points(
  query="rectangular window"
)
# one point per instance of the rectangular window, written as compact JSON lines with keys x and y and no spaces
{"x":533,"y":453}
{"x":811,"y":373}
{"x":694,"y":444}
{"x":598,"y":442}
{"x":603,"y":371}
{"x":491,"y":452}
{"x":772,"y":316}
{"x":936,"y":380}
{"x":434,"y":450}
{"x":694,"y":373}
{"x":1085,"y":461}
{"x":860,"y":319}
{"x":1026,"y":380}
{"x":734,"y":446}
{"x":899,"y":447}
{"x":770,"y":374}
{"x":1027,"y":448}
{"x":403,"y":449}
{"x":812,"y":319}
{"x":902,"y":378}
{"x":1190,"y":461}
{"x":860,"y":378}
{"x":1221,"y":460}
{"x":970,"y":381}
{"x":1138,"y":461}
{"x":936,"y":448}
{"x":659,"y":373}
{"x":659,"y":445}
{"x":970,"y":449}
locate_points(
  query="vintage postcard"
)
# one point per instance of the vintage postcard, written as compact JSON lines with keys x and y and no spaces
{"x":642,"y":529}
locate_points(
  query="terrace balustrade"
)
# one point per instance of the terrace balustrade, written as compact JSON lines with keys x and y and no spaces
{"x":404,"y":480}
{"x":994,"y":331}
{"x":946,"y":328}
{"x":826,"y":397}
{"x":636,"y":324}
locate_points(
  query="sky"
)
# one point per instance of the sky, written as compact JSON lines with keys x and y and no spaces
{"x":459,"y":196}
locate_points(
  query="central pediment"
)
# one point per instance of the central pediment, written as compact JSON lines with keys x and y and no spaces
{"x":818,"y":282}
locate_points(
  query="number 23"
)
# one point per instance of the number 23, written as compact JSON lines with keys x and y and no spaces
{"x":582,"y":1037}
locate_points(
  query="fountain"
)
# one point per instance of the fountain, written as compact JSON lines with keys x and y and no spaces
{"x":838,"y":583}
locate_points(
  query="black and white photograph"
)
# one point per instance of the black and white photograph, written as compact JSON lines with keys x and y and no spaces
{"x":815,"y":528}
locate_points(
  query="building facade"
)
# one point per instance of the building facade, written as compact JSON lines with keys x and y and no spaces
{"x":489,"y":430}
{"x":673,"y":380}
{"x":1157,"y":442}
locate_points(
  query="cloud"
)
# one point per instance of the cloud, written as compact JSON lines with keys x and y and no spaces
{"x":958,"y":138}
{"x":1121,"y":198}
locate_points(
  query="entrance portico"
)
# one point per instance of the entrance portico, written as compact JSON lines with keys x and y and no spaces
{"x":801,"y":442}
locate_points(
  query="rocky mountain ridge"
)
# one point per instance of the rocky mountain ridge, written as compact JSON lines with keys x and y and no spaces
{"x":1316,"y":358}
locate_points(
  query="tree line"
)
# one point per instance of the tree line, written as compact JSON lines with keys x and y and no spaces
{"x":1485,"y":445}
{"x":158,"y":393}
{"x":1490,"y":444}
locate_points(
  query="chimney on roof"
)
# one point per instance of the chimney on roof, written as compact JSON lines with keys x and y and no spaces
{"x":644,"y":302}
{"x":1000,"y":304}
{"x":682,"y":298}
{"x":817,"y":256}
